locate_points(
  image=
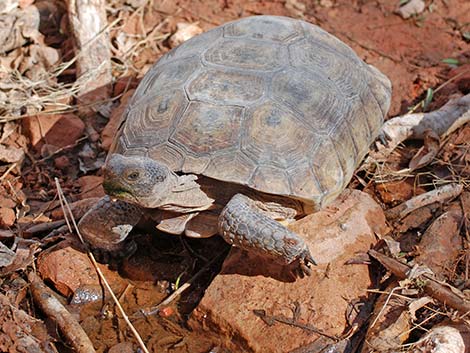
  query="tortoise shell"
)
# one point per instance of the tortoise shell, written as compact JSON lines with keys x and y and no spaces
{"x":273,"y":103}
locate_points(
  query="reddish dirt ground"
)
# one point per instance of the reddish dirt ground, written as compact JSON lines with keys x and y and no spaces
{"x":410,"y":52}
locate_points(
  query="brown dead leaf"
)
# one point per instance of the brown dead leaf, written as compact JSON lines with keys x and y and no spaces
{"x":184,"y":31}
{"x":441,"y":243}
{"x":20,"y":331}
{"x":18,"y":27}
{"x":390,"y":323}
{"x":426,"y":154}
{"x":22,"y":258}
{"x":417,"y":304}
{"x":11,"y":154}
{"x":416,"y":219}
{"x":6,"y":255}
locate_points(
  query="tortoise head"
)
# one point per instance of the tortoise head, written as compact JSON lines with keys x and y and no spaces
{"x":138,"y":180}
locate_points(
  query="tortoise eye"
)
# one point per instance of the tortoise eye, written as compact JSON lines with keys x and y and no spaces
{"x":133,"y":176}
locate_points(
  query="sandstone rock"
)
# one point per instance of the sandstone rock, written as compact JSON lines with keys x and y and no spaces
{"x":441,"y":244}
{"x":58,"y":130}
{"x":245,"y":284}
{"x":70,"y":270}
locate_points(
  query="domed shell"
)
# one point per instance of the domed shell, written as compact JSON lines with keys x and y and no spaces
{"x":270,"y":102}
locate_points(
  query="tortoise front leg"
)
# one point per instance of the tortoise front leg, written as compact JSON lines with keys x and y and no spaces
{"x":106,"y":226}
{"x":244,"y":225}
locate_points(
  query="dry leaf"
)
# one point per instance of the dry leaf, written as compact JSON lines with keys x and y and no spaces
{"x":11,"y":154}
{"x":184,"y":31}
{"x":21,"y":258}
{"x":417,"y":304}
{"x":426,"y":154}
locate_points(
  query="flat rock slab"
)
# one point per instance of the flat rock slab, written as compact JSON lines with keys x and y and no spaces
{"x":246,"y":284}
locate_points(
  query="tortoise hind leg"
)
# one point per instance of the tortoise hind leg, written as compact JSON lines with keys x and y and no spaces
{"x":106,"y":226}
{"x":243,"y":224}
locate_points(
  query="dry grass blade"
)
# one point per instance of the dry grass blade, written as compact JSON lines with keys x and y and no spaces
{"x":68,"y":213}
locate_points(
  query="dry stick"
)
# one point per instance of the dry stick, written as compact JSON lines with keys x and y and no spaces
{"x":440,"y":194}
{"x":52,"y":307}
{"x":433,"y":288}
{"x":63,"y":202}
{"x":89,"y":23}
{"x":443,"y":121}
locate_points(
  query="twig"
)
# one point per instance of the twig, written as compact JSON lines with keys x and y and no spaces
{"x":432,"y":287}
{"x":43,"y":227}
{"x":67,"y":324}
{"x":443,"y":121}
{"x":440,"y":194}
{"x":64,"y":202}
{"x":8,"y":171}
{"x":89,"y":24}
{"x":270,"y":319}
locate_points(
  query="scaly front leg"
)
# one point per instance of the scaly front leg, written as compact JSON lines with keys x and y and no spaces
{"x":244,"y":225}
{"x":106,"y":226}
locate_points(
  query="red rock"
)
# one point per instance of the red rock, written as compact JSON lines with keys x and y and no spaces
{"x":69,"y":269}
{"x":7,"y":217}
{"x":59,"y":130}
{"x":396,"y":192}
{"x":441,"y":243}
{"x":246,"y":284}
{"x":109,"y":131}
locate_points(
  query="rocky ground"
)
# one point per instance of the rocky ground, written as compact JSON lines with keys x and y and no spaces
{"x":61,"y":99}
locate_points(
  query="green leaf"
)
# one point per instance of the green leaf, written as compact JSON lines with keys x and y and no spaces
{"x":403,"y":2}
{"x":428,"y":99}
{"x":451,"y":61}
{"x":466,"y":36}
{"x":178,"y":281}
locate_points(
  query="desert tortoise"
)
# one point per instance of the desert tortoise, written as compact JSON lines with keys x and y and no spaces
{"x":258,"y":120}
